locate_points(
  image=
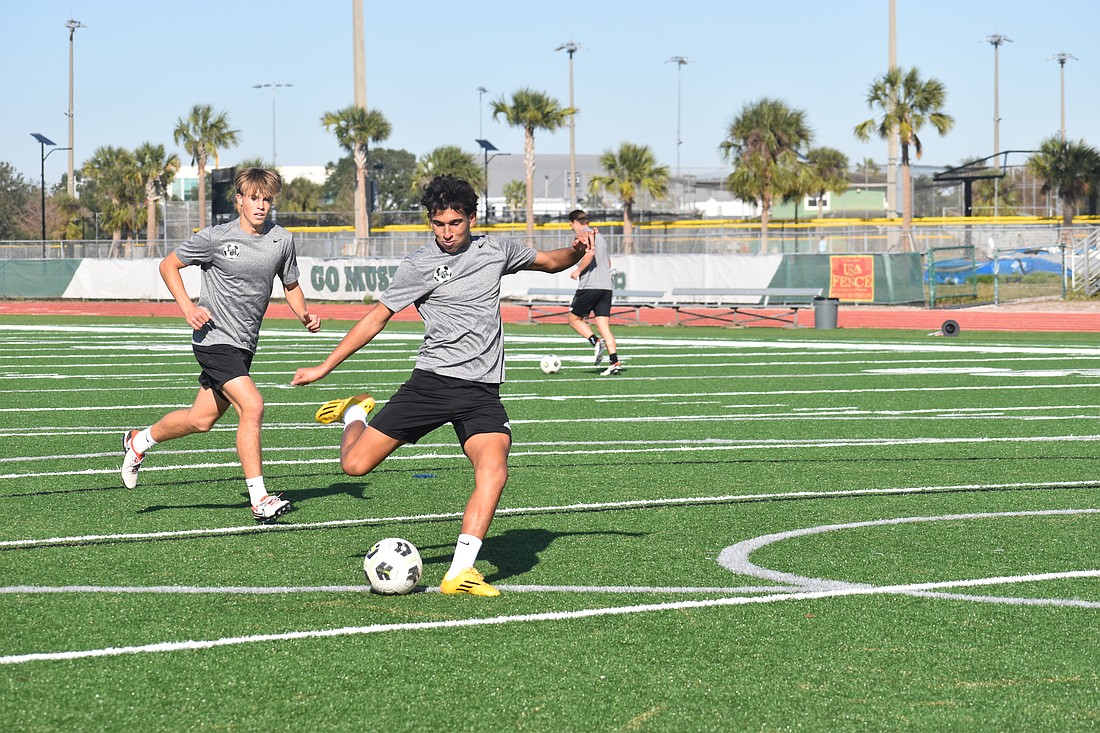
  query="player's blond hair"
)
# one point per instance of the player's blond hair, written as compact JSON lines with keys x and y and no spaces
{"x":264,"y":181}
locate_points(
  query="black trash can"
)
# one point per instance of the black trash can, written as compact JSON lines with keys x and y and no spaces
{"x":825,"y":312}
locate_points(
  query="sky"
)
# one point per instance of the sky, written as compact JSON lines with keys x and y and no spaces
{"x":140,"y":66}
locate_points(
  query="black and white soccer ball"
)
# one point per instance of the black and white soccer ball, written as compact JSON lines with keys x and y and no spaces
{"x":550,"y":364}
{"x":393,"y":566}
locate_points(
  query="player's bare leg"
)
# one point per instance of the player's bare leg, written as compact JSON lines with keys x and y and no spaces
{"x":488,"y":452}
{"x":603,"y":325}
{"x":362,"y":448}
{"x":579,"y":325}
{"x":249,"y":404}
{"x":200,"y":417}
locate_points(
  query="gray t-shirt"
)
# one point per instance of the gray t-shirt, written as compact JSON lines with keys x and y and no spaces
{"x":238,"y":271}
{"x":458,"y":296}
{"x":597,"y":276}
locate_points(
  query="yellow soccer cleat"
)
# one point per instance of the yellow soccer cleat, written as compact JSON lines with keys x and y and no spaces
{"x":334,"y":410}
{"x":468,"y":581}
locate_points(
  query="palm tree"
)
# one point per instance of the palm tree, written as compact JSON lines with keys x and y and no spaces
{"x":907,"y":103}
{"x":764,"y":144}
{"x":532,"y":111}
{"x":515,"y":193}
{"x":448,"y":159}
{"x":631,"y":171}
{"x":828,"y":173}
{"x":1067,"y":168}
{"x":355,"y":129}
{"x":202,"y":135}
{"x":867,"y":168}
{"x":109,"y":176}
{"x":301,"y":194}
{"x":155,"y":170}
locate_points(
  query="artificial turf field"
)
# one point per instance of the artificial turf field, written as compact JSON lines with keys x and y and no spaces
{"x":748,"y":530}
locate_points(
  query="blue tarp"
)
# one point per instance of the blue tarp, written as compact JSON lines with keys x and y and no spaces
{"x":953,"y":272}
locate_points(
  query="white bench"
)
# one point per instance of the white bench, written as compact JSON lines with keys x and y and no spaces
{"x":550,"y":302}
{"x":742,"y":306}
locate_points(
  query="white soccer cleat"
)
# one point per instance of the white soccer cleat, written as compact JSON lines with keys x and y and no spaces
{"x":131,"y":461}
{"x":270,"y":508}
{"x":598,"y":351}
{"x":616,"y":368}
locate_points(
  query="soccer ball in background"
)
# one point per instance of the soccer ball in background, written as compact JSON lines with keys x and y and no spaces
{"x":393,"y":566}
{"x":550,"y":364}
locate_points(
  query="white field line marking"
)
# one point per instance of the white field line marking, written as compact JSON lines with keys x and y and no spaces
{"x":535,"y":617}
{"x":522,"y":511}
{"x":735,"y":558}
{"x":787,"y":445}
{"x":763,"y":443}
{"x":141,"y":335}
{"x":364,"y":588}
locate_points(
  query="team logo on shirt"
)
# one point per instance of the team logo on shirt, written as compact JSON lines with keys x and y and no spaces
{"x":232,"y":250}
{"x":442,"y":274}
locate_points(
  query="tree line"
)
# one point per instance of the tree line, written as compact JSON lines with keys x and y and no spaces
{"x":768,"y":145}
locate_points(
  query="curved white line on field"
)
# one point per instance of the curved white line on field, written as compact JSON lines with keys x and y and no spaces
{"x":171,"y":646}
{"x":735,"y":558}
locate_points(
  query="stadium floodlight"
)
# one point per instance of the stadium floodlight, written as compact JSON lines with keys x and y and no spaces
{"x":274,"y":86}
{"x":43,"y":141}
{"x":72,"y":25}
{"x":680,"y":62}
{"x":571,"y":48}
{"x":1062,"y":58}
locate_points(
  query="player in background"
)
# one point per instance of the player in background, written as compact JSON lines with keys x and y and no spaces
{"x":239,"y":262}
{"x":594,"y":286}
{"x":454,"y":282}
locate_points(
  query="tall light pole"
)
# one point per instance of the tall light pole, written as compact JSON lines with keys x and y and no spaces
{"x":571,"y":48}
{"x":486,"y":147}
{"x":274,"y":86}
{"x":72,"y":25}
{"x":1062,"y":58}
{"x":481,"y":92}
{"x":892,"y":143}
{"x":680,"y":62}
{"x":43,"y":141}
{"x":996,"y":40}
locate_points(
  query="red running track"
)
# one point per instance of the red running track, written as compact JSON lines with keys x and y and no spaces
{"x":921,"y":319}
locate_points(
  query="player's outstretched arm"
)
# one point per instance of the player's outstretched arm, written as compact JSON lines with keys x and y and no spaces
{"x":359,"y":336}
{"x":557,"y":260}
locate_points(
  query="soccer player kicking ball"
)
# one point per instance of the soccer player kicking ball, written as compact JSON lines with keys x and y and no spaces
{"x":454,"y":282}
{"x":239,"y":261}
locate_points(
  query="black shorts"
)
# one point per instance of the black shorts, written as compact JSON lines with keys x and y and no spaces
{"x":221,"y":363}
{"x":596,"y":302}
{"x":428,"y":401}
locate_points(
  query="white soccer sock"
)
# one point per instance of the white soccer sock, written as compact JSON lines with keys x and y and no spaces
{"x":256,"y":489}
{"x":466,"y":551}
{"x":143,"y":441}
{"x":355,"y":412}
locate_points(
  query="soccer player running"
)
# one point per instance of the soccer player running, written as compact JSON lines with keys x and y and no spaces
{"x":594,"y":287}
{"x":454,"y":282}
{"x":239,"y":261}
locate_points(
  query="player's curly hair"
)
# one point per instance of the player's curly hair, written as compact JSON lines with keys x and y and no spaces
{"x":449,"y":192}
